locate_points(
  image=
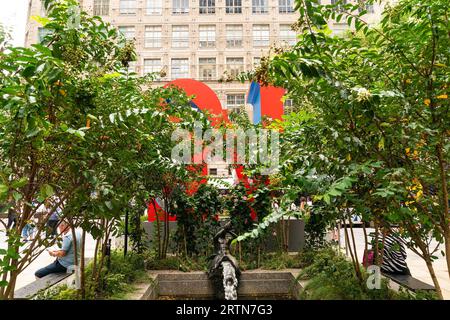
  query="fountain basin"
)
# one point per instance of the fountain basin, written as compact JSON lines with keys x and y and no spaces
{"x":253,"y":285}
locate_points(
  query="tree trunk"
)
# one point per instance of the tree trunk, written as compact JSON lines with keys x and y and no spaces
{"x":447,"y":253}
{"x":13,"y":274}
{"x":158,"y":229}
{"x":434,"y":278}
{"x":82,"y":266}
{"x":348,"y":245}
{"x":446,"y":214}
{"x":94,"y":263}
{"x":377,"y":244}
{"x":354,"y":242}
{"x":366,"y":243}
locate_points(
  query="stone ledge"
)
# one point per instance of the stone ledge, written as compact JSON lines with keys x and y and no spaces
{"x":253,"y":284}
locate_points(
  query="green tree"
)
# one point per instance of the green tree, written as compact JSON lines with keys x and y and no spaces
{"x":375,"y":126}
{"x":80,"y":132}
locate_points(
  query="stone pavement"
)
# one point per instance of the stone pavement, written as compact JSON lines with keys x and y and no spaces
{"x":27,"y":276}
{"x":416,"y":264}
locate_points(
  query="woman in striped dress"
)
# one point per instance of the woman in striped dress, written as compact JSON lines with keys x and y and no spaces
{"x":394,"y":254}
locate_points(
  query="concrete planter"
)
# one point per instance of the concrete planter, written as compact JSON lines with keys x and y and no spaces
{"x":255,"y":284}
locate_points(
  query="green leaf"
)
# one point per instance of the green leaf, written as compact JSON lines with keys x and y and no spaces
{"x":109,"y":205}
{"x":3,"y":189}
{"x":17,"y":196}
{"x":381,"y":144}
{"x":43,"y":21}
{"x":47,"y":191}
{"x":19,"y":183}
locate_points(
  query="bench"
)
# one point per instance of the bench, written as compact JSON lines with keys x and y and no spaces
{"x":409,"y":282}
{"x":32,"y":289}
{"x":53,"y":279}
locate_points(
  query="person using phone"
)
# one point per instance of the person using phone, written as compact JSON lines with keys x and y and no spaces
{"x":65,"y":256}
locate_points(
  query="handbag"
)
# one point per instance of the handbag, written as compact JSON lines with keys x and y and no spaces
{"x":368,"y":258}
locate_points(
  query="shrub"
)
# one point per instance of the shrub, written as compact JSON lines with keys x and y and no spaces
{"x":62,"y":292}
{"x":332,"y":277}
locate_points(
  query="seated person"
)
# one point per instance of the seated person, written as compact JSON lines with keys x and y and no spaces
{"x":65,"y":257}
{"x":394,"y":254}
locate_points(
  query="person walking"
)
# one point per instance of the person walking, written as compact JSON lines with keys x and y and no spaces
{"x":12,"y":216}
{"x":12,"y":219}
{"x":52,"y":223}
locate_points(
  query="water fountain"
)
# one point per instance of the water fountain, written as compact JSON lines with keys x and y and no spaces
{"x":224,"y":270}
{"x":224,"y":279}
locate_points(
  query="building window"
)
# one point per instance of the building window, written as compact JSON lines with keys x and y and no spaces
{"x":261,"y":35}
{"x":132,"y":67}
{"x":287,"y":34}
{"x":213,"y":171}
{"x":180,"y":68}
{"x":127,"y":7}
{"x":260,"y":6}
{"x":256,"y":62}
{"x":339,"y":8}
{"x":207,"y":36}
{"x":180,"y":6}
{"x":366,"y":6}
{"x":233,"y":6}
{"x":235,"y":102}
{"x":101,"y":7}
{"x":154,"y":7}
{"x":288,"y":105}
{"x":207,"y":68}
{"x":153,"y":36}
{"x":152,"y":66}
{"x":235,"y":66}
{"x":234,"y":34}
{"x":128,"y":32}
{"x":42,"y":33}
{"x":285,"y":6}
{"x":180,"y":36}
{"x":207,"y":6}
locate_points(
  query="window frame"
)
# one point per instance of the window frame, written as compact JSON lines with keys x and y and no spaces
{"x":154,"y":10}
{"x":262,"y":40}
{"x":182,"y":38}
{"x":233,"y":68}
{"x":180,"y":75}
{"x":127,"y":10}
{"x":152,"y":32}
{"x":206,"y":7}
{"x":233,"y":6}
{"x":234,"y":37}
{"x":260,"y":6}
{"x":209,"y":36}
{"x":212,"y":64}
{"x":180,"y":7}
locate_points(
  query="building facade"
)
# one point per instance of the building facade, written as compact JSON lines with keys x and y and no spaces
{"x":207,"y":40}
